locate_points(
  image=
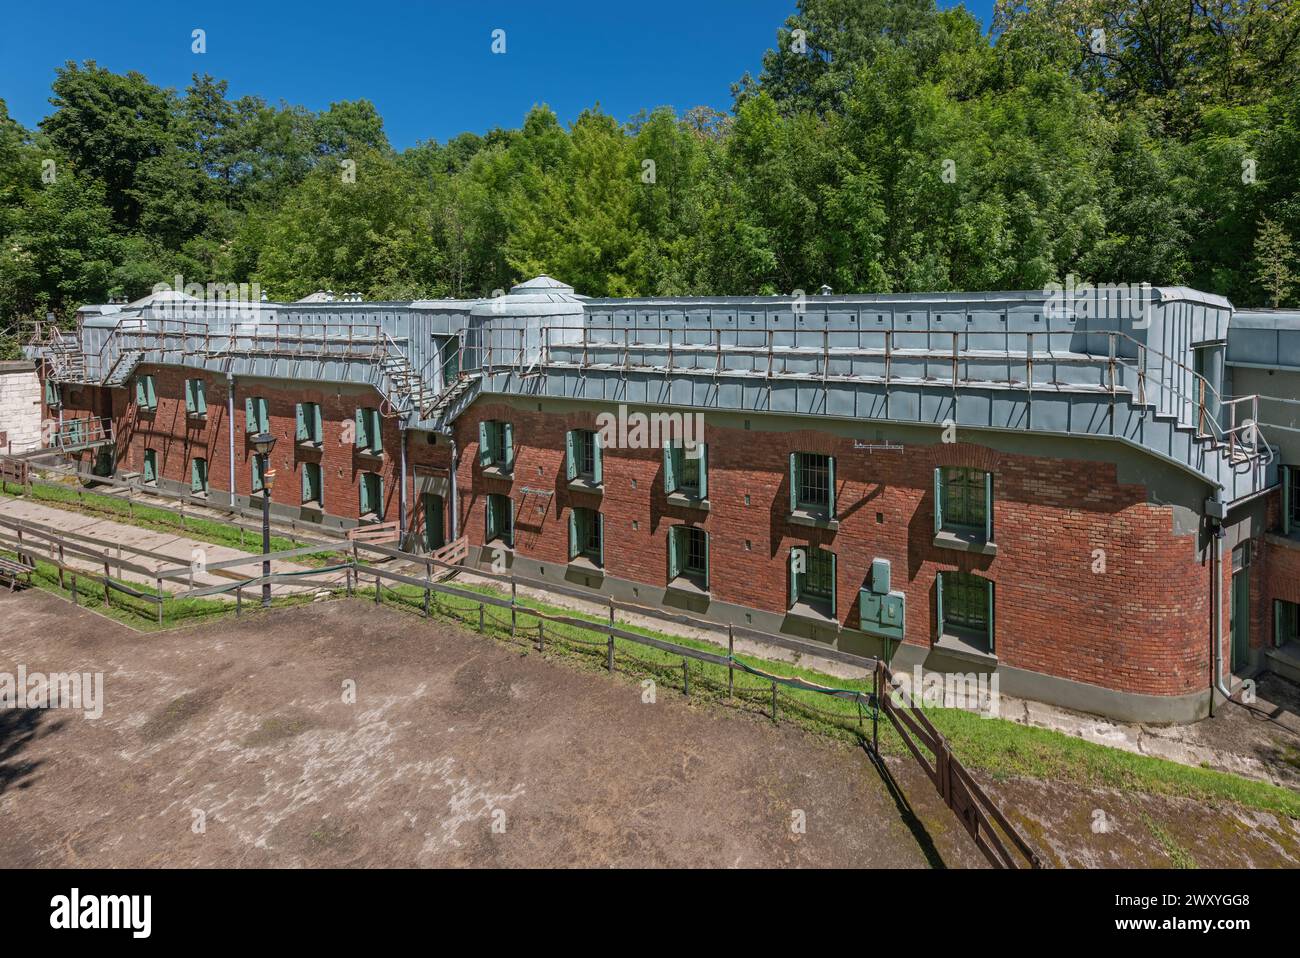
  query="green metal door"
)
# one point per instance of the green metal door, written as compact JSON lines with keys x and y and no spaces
{"x":1239,"y":619}
{"x":434,"y":537}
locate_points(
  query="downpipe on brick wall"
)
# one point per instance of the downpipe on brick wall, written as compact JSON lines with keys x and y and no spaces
{"x":1216,"y":599}
{"x":402,"y":425}
{"x":230,"y":429}
{"x":455,"y":506}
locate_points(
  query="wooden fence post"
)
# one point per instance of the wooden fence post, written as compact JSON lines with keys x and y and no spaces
{"x":378,"y":589}
{"x":107,"y":588}
{"x":480,"y":617}
{"x":239,"y":601}
{"x":514,"y":589}
{"x":686,"y":676}
{"x":74,"y":588}
{"x":731,"y":661}
{"x":773,"y":701}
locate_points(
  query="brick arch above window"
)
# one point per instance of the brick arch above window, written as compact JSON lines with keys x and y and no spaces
{"x":966,"y":455}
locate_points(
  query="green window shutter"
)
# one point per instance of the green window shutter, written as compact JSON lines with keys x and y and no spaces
{"x":317,"y":433}
{"x":830,"y":478}
{"x":195,"y":484}
{"x":509,"y":442}
{"x":263,"y":417}
{"x":140,"y":399}
{"x":250,"y":418}
{"x":707,"y":543}
{"x":257,"y":473}
{"x":189,"y":397}
{"x":988,"y":508}
{"x":201,"y":397}
{"x":674,"y":557}
{"x":835,"y":606}
{"x":301,"y":434}
{"x":670,"y":468}
{"x":600,"y":528}
{"x":794,"y":481}
{"x":489,"y":521}
{"x":306,"y":482}
{"x":364,"y":492}
{"x":597,"y":455}
{"x":794,"y":578}
{"x":151,"y":397}
{"x":573,"y":534}
{"x":484,"y":445}
{"x":376,"y":432}
{"x":360,"y":439}
{"x":1287,"y":493}
{"x":150,"y":466}
{"x":938,"y":602}
{"x":379,"y":495}
{"x":704,"y":474}
{"x":570,"y":455}
{"x":938,"y":500}
{"x":992,"y":589}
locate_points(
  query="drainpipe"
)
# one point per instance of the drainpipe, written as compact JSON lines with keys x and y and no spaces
{"x":1216,"y":599}
{"x":401,"y":490}
{"x":455,"y":506}
{"x":230,"y":429}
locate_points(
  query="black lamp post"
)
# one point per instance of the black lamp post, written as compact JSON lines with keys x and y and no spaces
{"x":262,"y":445}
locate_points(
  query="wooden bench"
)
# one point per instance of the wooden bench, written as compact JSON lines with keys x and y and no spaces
{"x":11,"y":570}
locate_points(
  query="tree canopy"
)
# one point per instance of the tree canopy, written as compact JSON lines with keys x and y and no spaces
{"x":885,"y":146}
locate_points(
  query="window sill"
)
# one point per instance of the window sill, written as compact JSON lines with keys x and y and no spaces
{"x":309,"y":445}
{"x":965,"y":646}
{"x":586,"y":485}
{"x":685,"y":585}
{"x":370,"y":454}
{"x":198,"y":416}
{"x":498,"y":472}
{"x":818,"y":613}
{"x":686,"y":501}
{"x":370,"y":518}
{"x":965,"y":542}
{"x":585,"y":566}
{"x":814,"y":520}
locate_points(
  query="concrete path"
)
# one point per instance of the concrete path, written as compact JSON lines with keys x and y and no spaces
{"x":169,"y":550}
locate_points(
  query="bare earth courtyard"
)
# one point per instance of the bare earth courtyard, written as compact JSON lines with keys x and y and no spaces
{"x":245,"y":722}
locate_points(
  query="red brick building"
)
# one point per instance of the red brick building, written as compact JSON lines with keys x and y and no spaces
{"x":1067,"y":542}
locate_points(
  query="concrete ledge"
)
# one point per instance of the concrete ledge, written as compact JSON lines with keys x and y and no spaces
{"x":683,"y":501}
{"x":814,"y":520}
{"x":498,"y":472}
{"x":959,"y":543}
{"x":584,"y":485}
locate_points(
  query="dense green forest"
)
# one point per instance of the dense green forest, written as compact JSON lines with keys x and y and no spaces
{"x":885,"y":146}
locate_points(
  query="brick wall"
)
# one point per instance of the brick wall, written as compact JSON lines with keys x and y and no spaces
{"x":177,"y":438}
{"x":1139,"y":626}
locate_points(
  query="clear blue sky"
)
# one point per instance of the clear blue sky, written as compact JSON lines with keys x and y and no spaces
{"x":427,"y":66}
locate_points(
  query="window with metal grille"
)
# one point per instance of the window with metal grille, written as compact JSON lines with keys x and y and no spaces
{"x":500,"y":525}
{"x":695,"y":554}
{"x":588,"y":532}
{"x":814,"y":481}
{"x":964,"y":498}
{"x":966,"y":601}
{"x":690,"y":474}
{"x":586,"y":450}
{"x":818,"y":579}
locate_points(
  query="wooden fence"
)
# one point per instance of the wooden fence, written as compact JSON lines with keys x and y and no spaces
{"x":979,"y":815}
{"x":972,"y":805}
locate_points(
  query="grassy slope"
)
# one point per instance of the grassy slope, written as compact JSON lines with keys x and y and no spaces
{"x":157,"y":519}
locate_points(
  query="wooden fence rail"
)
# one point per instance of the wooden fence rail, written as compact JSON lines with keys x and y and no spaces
{"x":977,"y":812}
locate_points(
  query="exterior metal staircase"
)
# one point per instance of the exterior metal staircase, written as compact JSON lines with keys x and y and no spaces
{"x":66,"y":360}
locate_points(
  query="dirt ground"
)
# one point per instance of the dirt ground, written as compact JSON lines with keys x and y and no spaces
{"x":232,"y":745}
{"x":450,"y":734}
